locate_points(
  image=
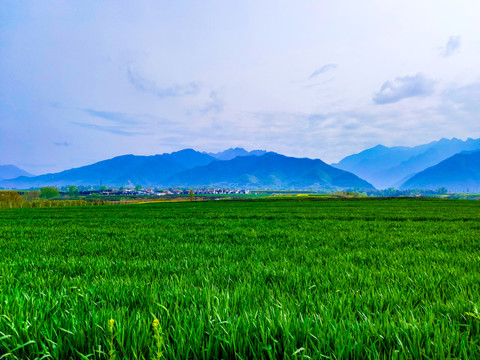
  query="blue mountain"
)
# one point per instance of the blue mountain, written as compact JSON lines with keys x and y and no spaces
{"x":11,"y":171}
{"x":386,"y":167}
{"x":272,"y":171}
{"x":459,"y":173}
{"x":190,"y":168}
{"x":232,"y":153}
{"x":121,"y":170}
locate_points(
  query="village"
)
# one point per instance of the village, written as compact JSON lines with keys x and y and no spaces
{"x":164,"y":192}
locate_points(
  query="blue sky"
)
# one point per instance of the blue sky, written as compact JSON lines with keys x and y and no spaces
{"x":82,"y":81}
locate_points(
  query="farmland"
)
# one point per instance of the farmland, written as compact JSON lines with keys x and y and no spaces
{"x":353,"y":278}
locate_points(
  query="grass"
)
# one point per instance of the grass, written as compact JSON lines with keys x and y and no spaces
{"x":268,"y":279}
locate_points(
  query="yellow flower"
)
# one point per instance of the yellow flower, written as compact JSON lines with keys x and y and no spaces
{"x":159,"y":339}
{"x":111,"y":353}
{"x":110,"y":324}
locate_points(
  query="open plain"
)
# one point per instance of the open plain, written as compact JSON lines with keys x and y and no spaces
{"x":272,"y":278}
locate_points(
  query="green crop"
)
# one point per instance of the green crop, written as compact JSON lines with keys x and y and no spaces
{"x":272,"y":279}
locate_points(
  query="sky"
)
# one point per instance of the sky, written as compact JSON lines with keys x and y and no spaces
{"x":84,"y":81}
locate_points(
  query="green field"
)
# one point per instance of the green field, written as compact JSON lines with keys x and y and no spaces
{"x":319,"y":279}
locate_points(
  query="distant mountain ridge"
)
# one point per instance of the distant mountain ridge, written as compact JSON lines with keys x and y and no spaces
{"x":423,"y":166}
{"x":232,"y":153}
{"x":272,"y":171}
{"x":11,"y":171}
{"x":459,"y":173}
{"x":386,"y":167}
{"x":119,"y":171}
{"x":190,"y":168}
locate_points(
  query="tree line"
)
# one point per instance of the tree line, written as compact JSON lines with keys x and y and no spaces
{"x":45,"y":197}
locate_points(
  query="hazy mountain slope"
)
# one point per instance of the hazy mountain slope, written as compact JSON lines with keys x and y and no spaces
{"x":121,"y":170}
{"x":387,"y":167}
{"x":191,"y":169}
{"x":11,"y":171}
{"x":188,"y":158}
{"x":160,"y":167}
{"x":460,"y":172}
{"x":269,"y":171}
{"x":232,"y":153}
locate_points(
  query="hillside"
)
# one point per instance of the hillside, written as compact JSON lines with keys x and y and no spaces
{"x":11,"y":171}
{"x":119,"y":171}
{"x":190,"y":168}
{"x":271,"y":171}
{"x":391,"y":166}
{"x":460,"y":173}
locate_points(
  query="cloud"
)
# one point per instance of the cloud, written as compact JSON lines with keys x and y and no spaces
{"x":151,"y":87}
{"x":110,"y":129}
{"x":215,"y":104}
{"x":64,"y":143}
{"x":452,"y":46}
{"x":464,"y":99}
{"x":323,"y":70}
{"x":120,"y":123}
{"x":117,"y":117}
{"x":404,"y":87}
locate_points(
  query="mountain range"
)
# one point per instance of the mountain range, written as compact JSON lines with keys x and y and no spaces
{"x":190,"y":168}
{"x":118,"y":171}
{"x":272,"y":171}
{"x":386,"y":167}
{"x":11,"y":171}
{"x":450,"y":163}
{"x":460,"y":173}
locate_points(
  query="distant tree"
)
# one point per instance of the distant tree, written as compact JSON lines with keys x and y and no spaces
{"x":31,"y":195}
{"x":390,"y":192}
{"x":10,"y":199}
{"x":441,"y":190}
{"x":121,"y":188}
{"x":138,"y":187}
{"x":191,"y":195}
{"x":73,"y":191}
{"x":49,"y":192}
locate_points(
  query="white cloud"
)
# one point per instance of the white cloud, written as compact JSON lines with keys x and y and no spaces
{"x":404,"y":87}
{"x":452,"y":46}
{"x":323,"y":70}
{"x":149,"y":86}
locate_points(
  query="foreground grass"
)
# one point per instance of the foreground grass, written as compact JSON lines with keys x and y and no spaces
{"x":242,"y":279}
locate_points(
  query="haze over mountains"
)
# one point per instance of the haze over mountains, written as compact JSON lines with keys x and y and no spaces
{"x":460,"y":173}
{"x":445,"y":163}
{"x":272,"y":171}
{"x":191,"y":168}
{"x":386,"y":167}
{"x":231,"y":153}
{"x":119,"y":171}
{"x":11,"y":171}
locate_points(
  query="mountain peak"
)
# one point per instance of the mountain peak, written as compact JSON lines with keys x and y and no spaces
{"x":11,"y":171}
{"x":269,"y":171}
{"x":190,"y":168}
{"x":386,"y":167}
{"x":232,"y":153}
{"x":460,"y":172}
{"x":184,"y":151}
